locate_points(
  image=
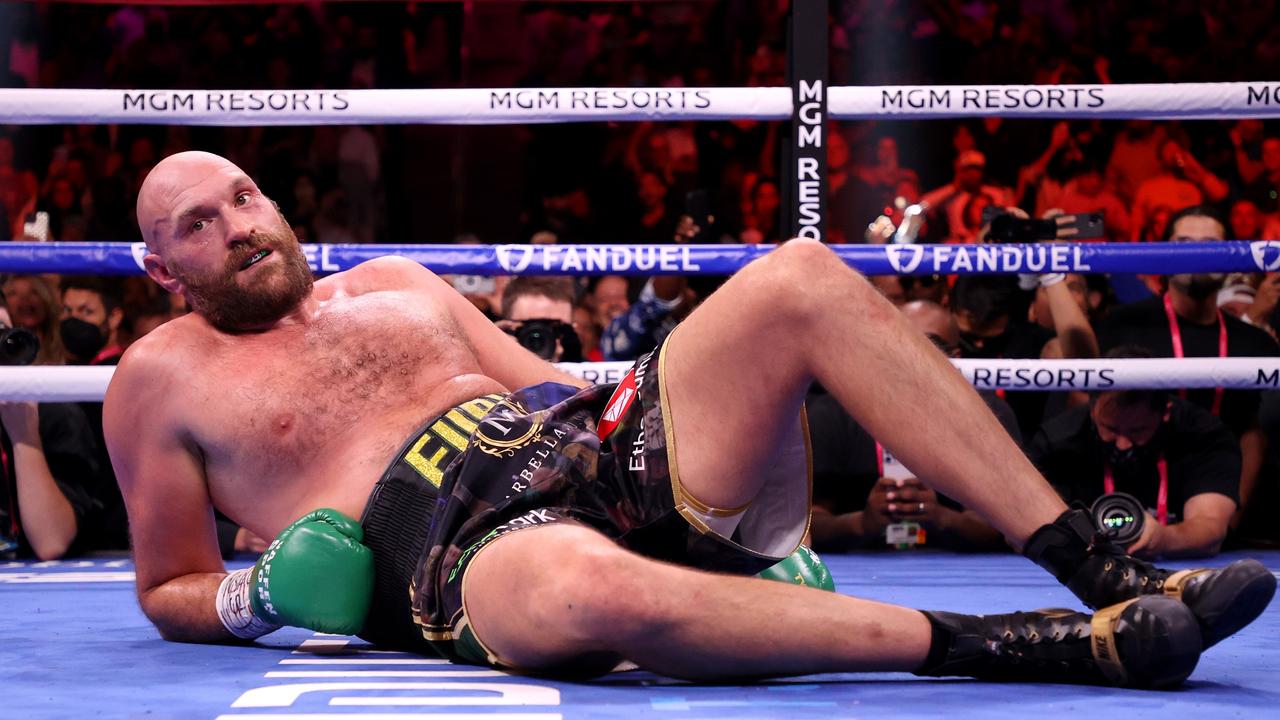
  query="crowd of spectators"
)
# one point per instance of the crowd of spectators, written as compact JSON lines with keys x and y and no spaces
{"x":632,"y":183}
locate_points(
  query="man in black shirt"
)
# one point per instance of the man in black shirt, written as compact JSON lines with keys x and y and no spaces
{"x":50,"y":480}
{"x":1178,"y":460}
{"x":1186,"y":322}
{"x":853,"y":503}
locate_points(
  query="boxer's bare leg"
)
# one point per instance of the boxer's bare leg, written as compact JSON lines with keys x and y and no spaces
{"x":737,"y":370}
{"x":565,"y":596}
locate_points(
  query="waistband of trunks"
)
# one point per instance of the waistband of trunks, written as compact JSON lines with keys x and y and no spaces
{"x":397,"y":519}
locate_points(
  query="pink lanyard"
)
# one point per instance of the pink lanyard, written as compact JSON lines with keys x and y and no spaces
{"x":1162,"y":495}
{"x":1175,"y":333}
{"x":11,"y":491}
{"x":879,"y":460}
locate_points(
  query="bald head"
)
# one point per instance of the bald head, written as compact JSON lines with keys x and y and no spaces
{"x":169,"y":183}
{"x":933,"y":319}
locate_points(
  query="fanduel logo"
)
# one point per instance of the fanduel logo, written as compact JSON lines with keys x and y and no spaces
{"x":914,"y":253}
{"x":139,"y":251}
{"x":1266,"y":255}
{"x":514,"y":258}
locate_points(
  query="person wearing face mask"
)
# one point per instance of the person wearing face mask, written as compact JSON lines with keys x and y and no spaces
{"x":1186,"y":322}
{"x":1176,"y":458}
{"x":990,"y":312}
{"x":92,"y":318}
{"x":50,"y":478}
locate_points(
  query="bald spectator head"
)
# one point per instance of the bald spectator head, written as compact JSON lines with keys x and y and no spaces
{"x":937,"y":324}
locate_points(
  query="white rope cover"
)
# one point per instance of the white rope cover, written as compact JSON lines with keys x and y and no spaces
{"x":480,"y":106}
{"x":89,"y":384}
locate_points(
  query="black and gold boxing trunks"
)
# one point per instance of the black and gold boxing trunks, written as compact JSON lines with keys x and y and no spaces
{"x":544,"y":454}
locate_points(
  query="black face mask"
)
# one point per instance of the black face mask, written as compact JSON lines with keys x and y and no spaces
{"x":1136,"y":456}
{"x":83,"y":340}
{"x":992,"y":346}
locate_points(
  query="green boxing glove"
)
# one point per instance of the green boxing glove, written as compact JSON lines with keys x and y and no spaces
{"x":316,"y":575}
{"x":803,"y":567}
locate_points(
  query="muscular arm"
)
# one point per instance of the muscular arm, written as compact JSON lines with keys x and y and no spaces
{"x":500,"y":356}
{"x":161,"y":476}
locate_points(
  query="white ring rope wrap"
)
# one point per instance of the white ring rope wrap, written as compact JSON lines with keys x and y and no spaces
{"x":484,"y":106}
{"x":88,"y":384}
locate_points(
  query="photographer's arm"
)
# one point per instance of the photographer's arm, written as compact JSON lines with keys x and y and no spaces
{"x":1075,"y":336}
{"x":48,"y":519}
{"x":1200,"y":534}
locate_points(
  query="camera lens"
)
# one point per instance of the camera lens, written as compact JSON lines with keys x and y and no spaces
{"x":1119,"y":516}
{"x":538,"y":337}
{"x":18,"y":347}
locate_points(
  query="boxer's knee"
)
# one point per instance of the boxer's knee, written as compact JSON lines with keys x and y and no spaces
{"x":807,"y":281}
{"x":605,"y":598}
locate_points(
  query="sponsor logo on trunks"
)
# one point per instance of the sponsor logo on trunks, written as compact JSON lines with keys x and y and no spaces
{"x":1266,"y":255}
{"x":529,"y":519}
{"x":441,"y":442}
{"x":551,"y":441}
{"x":618,"y":405}
{"x":507,"y":428}
{"x":968,"y":259}
{"x":622,"y":398}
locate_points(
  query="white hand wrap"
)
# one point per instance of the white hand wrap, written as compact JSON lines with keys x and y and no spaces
{"x":234,"y":609}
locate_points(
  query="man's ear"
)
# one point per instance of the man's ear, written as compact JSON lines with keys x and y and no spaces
{"x":159,"y":272}
{"x":114,"y":318}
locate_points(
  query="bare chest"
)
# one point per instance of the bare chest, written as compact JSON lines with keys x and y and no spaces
{"x":338,"y":394}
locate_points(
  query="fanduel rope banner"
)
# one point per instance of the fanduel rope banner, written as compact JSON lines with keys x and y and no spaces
{"x":496,"y":106}
{"x":805,"y":161}
{"x":103,"y":258}
{"x":88,"y":384}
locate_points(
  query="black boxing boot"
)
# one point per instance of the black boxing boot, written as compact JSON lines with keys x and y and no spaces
{"x":1100,"y":573}
{"x":1149,"y":642}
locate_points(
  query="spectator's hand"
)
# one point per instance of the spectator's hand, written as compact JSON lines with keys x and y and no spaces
{"x":875,"y":517}
{"x":915,"y":502}
{"x":21,"y":420}
{"x":246,"y":541}
{"x":1015,"y":211}
{"x":687,"y":229}
{"x":1146,"y":546}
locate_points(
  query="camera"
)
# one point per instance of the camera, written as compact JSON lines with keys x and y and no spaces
{"x":1009,"y":228}
{"x":539,"y":336}
{"x":17,"y":346}
{"x":1119,"y":516}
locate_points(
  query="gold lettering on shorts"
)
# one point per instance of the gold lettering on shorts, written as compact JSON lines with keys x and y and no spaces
{"x":446,"y":437}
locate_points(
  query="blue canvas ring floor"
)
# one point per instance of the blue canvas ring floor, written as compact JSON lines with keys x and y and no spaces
{"x":73,"y":643}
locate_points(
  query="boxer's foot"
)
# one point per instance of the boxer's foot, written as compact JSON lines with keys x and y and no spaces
{"x":1149,"y":642}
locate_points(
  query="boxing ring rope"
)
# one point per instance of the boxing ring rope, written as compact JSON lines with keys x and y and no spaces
{"x":546,"y":105}
{"x":88,"y":384}
{"x":481,"y":106}
{"x":106,"y":258}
